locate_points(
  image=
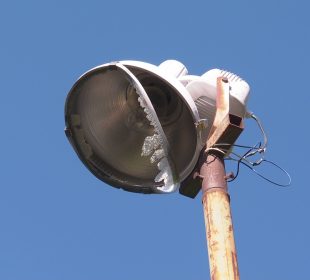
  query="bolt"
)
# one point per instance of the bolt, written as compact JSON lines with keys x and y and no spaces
{"x":229,"y":175}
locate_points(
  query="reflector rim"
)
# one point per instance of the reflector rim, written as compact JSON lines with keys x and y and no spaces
{"x":185,"y":96}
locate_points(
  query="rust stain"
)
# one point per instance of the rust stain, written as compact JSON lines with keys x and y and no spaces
{"x":235,"y":265}
{"x":219,"y":229}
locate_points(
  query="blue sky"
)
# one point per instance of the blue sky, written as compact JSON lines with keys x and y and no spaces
{"x":59,"y":222}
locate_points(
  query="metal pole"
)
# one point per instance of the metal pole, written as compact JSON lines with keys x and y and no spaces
{"x":218,"y":221}
{"x":226,"y":128}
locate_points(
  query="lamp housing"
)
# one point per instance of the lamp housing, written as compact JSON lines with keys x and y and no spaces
{"x":141,"y":127}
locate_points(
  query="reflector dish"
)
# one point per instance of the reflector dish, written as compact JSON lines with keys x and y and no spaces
{"x":132,"y":127}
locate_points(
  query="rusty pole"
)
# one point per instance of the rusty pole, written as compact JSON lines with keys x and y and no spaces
{"x":225,"y":130}
{"x":218,"y":221}
{"x":215,"y":198}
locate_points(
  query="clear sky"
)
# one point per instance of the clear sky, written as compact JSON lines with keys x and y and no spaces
{"x":57,"y":221}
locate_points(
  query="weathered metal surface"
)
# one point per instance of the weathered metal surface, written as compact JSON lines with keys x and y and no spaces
{"x":222,"y":102}
{"x":226,"y":127}
{"x":226,"y":133}
{"x":218,"y":221}
{"x":220,"y":236}
{"x":216,"y":203}
{"x":213,"y":172}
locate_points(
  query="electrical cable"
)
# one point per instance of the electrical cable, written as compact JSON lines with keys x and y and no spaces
{"x":269,"y":180}
{"x":245,"y":158}
{"x":238,"y":165}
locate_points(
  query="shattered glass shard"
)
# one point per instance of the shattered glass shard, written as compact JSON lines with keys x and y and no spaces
{"x":166,"y":175}
{"x":151,"y":143}
{"x":158,"y":154}
{"x":156,"y":146}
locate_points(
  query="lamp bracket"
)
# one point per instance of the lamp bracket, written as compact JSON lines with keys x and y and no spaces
{"x":226,"y":129}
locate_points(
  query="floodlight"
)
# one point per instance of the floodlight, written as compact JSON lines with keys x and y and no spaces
{"x":141,"y":127}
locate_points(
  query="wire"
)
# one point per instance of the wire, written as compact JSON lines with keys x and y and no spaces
{"x":264,"y":147}
{"x":269,"y":180}
{"x":238,"y":165}
{"x":216,"y":149}
{"x":244,"y":159}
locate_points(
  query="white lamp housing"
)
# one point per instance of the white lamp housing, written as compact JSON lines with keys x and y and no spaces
{"x":141,"y":127}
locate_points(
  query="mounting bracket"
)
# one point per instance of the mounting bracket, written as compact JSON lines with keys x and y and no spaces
{"x":225,"y":129}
